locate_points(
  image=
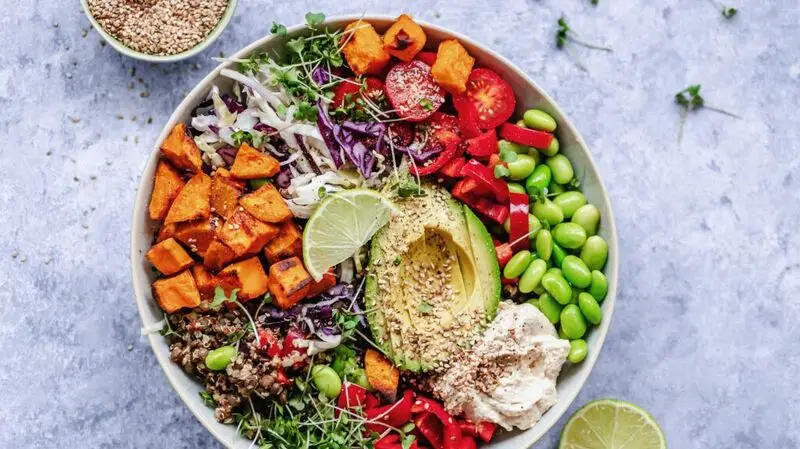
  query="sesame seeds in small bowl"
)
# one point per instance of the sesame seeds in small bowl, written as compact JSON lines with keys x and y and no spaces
{"x":159,"y":30}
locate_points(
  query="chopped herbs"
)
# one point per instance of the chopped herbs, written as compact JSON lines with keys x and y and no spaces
{"x":566,"y":35}
{"x":207,"y":399}
{"x":425,"y":307}
{"x":426,"y":104}
{"x":691,"y":100}
{"x":220,"y":298}
{"x":240,"y":137}
{"x":278,"y":29}
{"x":314,"y":18}
{"x":409,"y":188}
{"x":397,"y":261}
{"x":728,"y":12}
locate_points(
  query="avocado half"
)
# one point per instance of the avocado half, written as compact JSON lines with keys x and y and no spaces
{"x":433,"y":280}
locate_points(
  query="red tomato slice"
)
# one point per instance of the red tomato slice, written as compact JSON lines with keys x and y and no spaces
{"x":428,"y":57}
{"x":402,"y":133}
{"x":491,"y":96}
{"x":412,"y":91}
{"x":374,"y":89}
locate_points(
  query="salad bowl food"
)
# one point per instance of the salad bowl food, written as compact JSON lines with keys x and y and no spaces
{"x":386,"y":236}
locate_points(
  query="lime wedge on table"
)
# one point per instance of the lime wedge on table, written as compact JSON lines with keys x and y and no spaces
{"x":610,"y":424}
{"x":342,"y":224}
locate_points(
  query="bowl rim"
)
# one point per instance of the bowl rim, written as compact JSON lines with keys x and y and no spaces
{"x":197,"y":48}
{"x":530,"y":436}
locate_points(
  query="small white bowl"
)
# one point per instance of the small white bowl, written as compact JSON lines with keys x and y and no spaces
{"x":200,"y":46}
{"x":529,"y":95}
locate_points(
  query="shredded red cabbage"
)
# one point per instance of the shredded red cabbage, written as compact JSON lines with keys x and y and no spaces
{"x":233,"y":105}
{"x":228,"y":154}
{"x":320,"y":76}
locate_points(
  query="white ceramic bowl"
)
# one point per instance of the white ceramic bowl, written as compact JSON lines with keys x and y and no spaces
{"x":529,"y":95}
{"x":200,"y":46}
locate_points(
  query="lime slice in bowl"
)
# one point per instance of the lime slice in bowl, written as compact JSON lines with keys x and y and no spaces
{"x":342,"y":224}
{"x":611,"y":424}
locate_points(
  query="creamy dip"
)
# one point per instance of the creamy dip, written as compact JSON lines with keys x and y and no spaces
{"x":509,"y":376}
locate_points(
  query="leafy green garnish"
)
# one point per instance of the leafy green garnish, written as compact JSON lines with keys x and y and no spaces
{"x":407,"y":441}
{"x":220,"y":298}
{"x":409,"y":188}
{"x":314,"y":18}
{"x":208,"y":400}
{"x":691,"y":100}
{"x":566,"y":35}
{"x":728,"y":12}
{"x":166,"y":330}
{"x":306,"y":111}
{"x":425,"y":307}
{"x":426,"y":104}
{"x":397,"y":261}
{"x":240,"y":137}
{"x":278,"y":29}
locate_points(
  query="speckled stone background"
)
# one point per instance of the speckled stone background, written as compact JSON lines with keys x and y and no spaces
{"x":706,"y":329}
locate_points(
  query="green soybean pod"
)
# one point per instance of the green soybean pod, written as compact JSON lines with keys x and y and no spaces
{"x":561,"y":333}
{"x":535,"y":154}
{"x":538,"y":180}
{"x":547,"y":211}
{"x":577,"y":350}
{"x":594,"y":252}
{"x":506,"y":145}
{"x":552,"y":149}
{"x":572,"y":322}
{"x":521,"y":168}
{"x":576,"y":272}
{"x":219,"y":359}
{"x":539,"y":289}
{"x":599,"y":286}
{"x":544,"y":244}
{"x":575,"y":293}
{"x":555,"y":270}
{"x":515,"y":187}
{"x":538,"y":119}
{"x":550,"y":307}
{"x":326,"y":380}
{"x":570,"y":202}
{"x":532,"y":276}
{"x":555,"y":188}
{"x":569,"y":235}
{"x":558,"y":254}
{"x":534,"y":302}
{"x":517,"y":265}
{"x":561,"y":168}
{"x":558,"y":287}
{"x":588,"y":217}
{"x":590,"y":308}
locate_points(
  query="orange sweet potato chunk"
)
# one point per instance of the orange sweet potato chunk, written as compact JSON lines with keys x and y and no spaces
{"x":253,"y":164}
{"x":289,"y":282}
{"x":381,"y":374}
{"x":166,"y":232}
{"x":405,"y":38}
{"x":317,"y":288}
{"x":197,"y":235}
{"x":169,"y":257}
{"x":176,"y":292}
{"x":364,"y":51}
{"x":166,"y":185}
{"x":181,"y":150}
{"x":266,"y":204}
{"x":288,"y":243}
{"x":193,"y":201}
{"x":453,"y":66}
{"x":251,"y":276}
{"x":207,"y":282}
{"x":225,"y":193}
{"x":218,"y":255}
{"x":244,"y":234}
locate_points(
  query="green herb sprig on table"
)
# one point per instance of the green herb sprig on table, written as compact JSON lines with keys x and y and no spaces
{"x":691,"y":100}
{"x":727,"y":12}
{"x":566,"y":36}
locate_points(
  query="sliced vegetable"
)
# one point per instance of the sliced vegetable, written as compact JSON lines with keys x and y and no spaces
{"x":218,"y":255}
{"x":196,"y":235}
{"x":288,"y":243}
{"x":520,"y":225}
{"x":453,"y":168}
{"x":266,"y":204}
{"x":428,"y":57}
{"x":467,"y":119}
{"x":525,"y":136}
{"x":364,"y":50}
{"x":482,"y":146}
{"x":225,"y":192}
{"x":352,"y":396}
{"x":486,"y":431}
{"x":253,"y":164}
{"x":251,"y":276}
{"x":485,"y":176}
{"x":504,"y":254}
{"x":348,"y":90}
{"x":412,"y":91}
{"x":405,"y":38}
{"x":450,"y":150}
{"x":181,"y":150}
{"x":490,"y":95}
{"x":453,"y":66}
{"x":244,"y":234}
{"x":394,"y":415}
{"x":430,"y":427}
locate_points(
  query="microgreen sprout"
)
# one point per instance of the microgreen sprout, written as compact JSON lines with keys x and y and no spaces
{"x":566,"y":35}
{"x":727,"y":12}
{"x":691,"y":100}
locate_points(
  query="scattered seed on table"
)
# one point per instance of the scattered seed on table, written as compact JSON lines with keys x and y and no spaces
{"x":149,"y":120}
{"x":120,"y":117}
{"x":84,"y":32}
{"x":145,"y":94}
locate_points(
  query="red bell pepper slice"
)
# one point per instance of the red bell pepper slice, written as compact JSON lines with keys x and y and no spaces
{"x":504,"y":254}
{"x":453,"y":168}
{"x":467,"y":119}
{"x":281,"y":378}
{"x":466,"y":443}
{"x":390,"y":441}
{"x":486,"y":430}
{"x":352,"y":396}
{"x":450,"y":142}
{"x":519,"y":225}
{"x":482,"y":146}
{"x":430,"y":428}
{"x":490,"y":209}
{"x":468,"y":429}
{"x":428,"y":57}
{"x":451,"y":437}
{"x":372,"y":401}
{"x":525,"y":136}
{"x":394,"y":415}
{"x":485,"y":175}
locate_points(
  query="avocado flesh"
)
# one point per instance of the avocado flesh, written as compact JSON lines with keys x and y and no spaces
{"x":434,"y":230}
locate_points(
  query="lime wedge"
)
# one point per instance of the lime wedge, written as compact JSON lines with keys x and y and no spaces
{"x":342,"y":224}
{"x":610,"y":424}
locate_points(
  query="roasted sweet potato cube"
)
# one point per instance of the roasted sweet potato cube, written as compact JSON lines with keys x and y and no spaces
{"x":176,"y":292}
{"x":193,"y":201}
{"x":169,"y":257}
{"x":218,"y":255}
{"x":453,"y":66}
{"x":225,"y":193}
{"x":244,"y":234}
{"x":181,"y":150}
{"x":251,"y":276}
{"x":381,"y":374}
{"x":166,"y":232}
{"x":266,"y":204}
{"x":317,"y":288}
{"x":166,"y":185}
{"x":253,"y":164}
{"x":197,"y":235}
{"x":364,"y":51}
{"x":207,"y":282}
{"x":289,"y":282}
{"x":288,"y":243}
{"x":405,"y":38}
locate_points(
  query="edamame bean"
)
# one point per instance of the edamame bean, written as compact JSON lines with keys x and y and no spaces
{"x":590,"y":308}
{"x":538,"y":180}
{"x":599,"y":286}
{"x":577,"y":350}
{"x":575,"y":293}
{"x":219,"y":359}
{"x":569,"y":235}
{"x":533,"y":301}
{"x":547,"y":211}
{"x":555,"y":270}
{"x":576,"y":272}
{"x":561,"y":333}
{"x":561,"y":168}
{"x":532,"y":276}
{"x":588,"y":217}
{"x":538,"y":119}
{"x":594,"y":252}
{"x":326,"y":380}
{"x":256,"y":184}
{"x":558,"y":287}
{"x":521,"y":123}
{"x":505,"y":145}
{"x":517,"y":265}
{"x":569,"y":202}
{"x":521,"y":168}
{"x":558,"y":254}
{"x":555,"y":188}
{"x":572,"y":322}
{"x":544,"y":244}
{"x":515,"y":187}
{"x":552,"y":149}
{"x":535,"y":154}
{"x":550,"y":307}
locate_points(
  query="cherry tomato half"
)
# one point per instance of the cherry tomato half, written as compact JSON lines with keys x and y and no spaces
{"x":374,"y":89}
{"x":491,"y":96}
{"x":412,"y":91}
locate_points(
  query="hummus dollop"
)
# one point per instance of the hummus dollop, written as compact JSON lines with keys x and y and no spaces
{"x":509,"y":375}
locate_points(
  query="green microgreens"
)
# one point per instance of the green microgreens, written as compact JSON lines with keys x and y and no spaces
{"x":220,"y":298}
{"x":278,"y":29}
{"x":306,"y":111}
{"x":314,"y":18}
{"x":691,"y":100}
{"x":397,"y":261}
{"x":566,"y":35}
{"x":409,"y":188}
{"x":240,"y":137}
{"x":426,"y":104}
{"x":166,"y":330}
{"x":727,"y":12}
{"x":208,"y":400}
{"x":425,"y":307}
